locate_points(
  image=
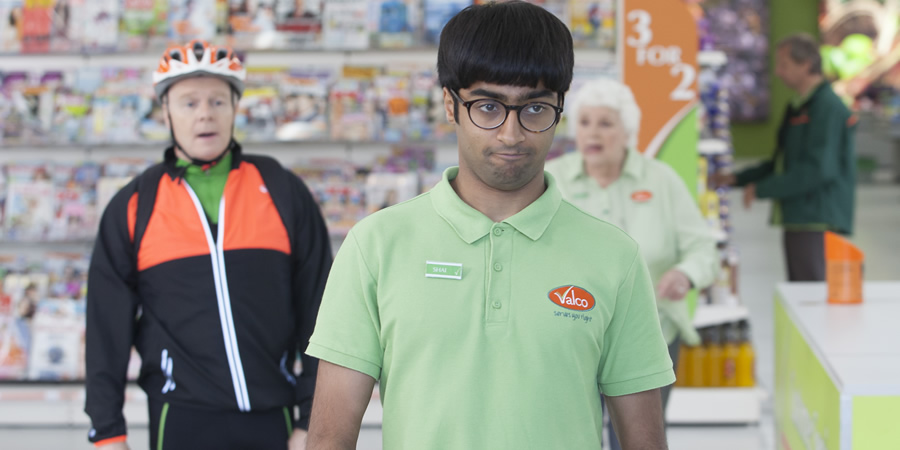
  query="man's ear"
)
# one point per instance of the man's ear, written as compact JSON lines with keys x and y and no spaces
{"x":449,"y":106}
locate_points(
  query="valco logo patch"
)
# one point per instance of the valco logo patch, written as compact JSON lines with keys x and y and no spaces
{"x":641,"y":196}
{"x":572,"y":297}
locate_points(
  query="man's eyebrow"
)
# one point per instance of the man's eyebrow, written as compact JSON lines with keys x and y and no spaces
{"x":193,"y":95}
{"x":498,"y":96}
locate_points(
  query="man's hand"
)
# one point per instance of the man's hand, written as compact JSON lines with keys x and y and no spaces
{"x":115,"y":446}
{"x":722,"y":179}
{"x":673,"y":285}
{"x":749,"y":195}
{"x":297,"y":440}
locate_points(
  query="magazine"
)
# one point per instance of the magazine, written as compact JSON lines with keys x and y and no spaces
{"x":11,"y":23}
{"x":304,"y":98}
{"x":30,"y":206}
{"x":192,"y":19}
{"x":386,"y":189}
{"x":352,"y":111}
{"x":298,"y":22}
{"x":100,"y":24}
{"x":393,"y":97}
{"x":260,"y":106}
{"x":144,"y":23}
{"x":56,"y":334}
{"x":395,"y":23}
{"x":252,"y":23}
{"x":37,"y":25}
{"x":337,"y":186}
{"x":437,"y":14}
{"x":345,"y":24}
{"x":593,"y":23}
{"x":22,"y":293}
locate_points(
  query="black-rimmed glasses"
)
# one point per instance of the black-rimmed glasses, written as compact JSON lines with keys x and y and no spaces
{"x":488,"y":114}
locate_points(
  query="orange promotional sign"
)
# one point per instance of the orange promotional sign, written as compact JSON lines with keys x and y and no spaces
{"x":572,"y":297}
{"x":658,"y":47}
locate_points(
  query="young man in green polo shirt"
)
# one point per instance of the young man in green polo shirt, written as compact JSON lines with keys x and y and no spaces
{"x":493,"y":313}
{"x":811,"y":177}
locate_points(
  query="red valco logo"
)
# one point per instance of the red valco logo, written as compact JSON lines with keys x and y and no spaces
{"x":572,"y":297}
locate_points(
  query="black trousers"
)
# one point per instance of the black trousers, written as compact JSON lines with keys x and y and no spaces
{"x":179,"y":427}
{"x":804,"y":253}
{"x":674,"y":351}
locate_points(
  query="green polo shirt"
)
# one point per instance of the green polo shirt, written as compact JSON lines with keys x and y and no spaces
{"x":650,"y":202}
{"x":492,"y":335}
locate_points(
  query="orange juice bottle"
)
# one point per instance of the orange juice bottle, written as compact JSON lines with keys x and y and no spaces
{"x":744,"y":365}
{"x":730,"y":354}
{"x":695,"y":370}
{"x":681,"y":369}
{"x":713,"y":363}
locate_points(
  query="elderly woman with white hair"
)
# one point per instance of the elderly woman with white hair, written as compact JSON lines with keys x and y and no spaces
{"x":608,"y":178}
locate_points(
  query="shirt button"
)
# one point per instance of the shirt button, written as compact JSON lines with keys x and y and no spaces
{"x":496,"y":305}
{"x":498,"y":231}
{"x":498,"y":267}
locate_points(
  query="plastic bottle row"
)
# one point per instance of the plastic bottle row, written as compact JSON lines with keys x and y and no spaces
{"x":725,"y":358}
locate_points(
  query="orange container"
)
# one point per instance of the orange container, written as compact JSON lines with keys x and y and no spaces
{"x":843,"y":270}
{"x":681,"y":370}
{"x":730,"y":353}
{"x":713,"y":363}
{"x":696,"y":369}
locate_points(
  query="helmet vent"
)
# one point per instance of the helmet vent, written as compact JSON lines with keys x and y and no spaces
{"x":198,"y":50}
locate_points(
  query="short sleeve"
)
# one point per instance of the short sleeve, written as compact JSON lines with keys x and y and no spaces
{"x":348,"y":328}
{"x":635,"y":356}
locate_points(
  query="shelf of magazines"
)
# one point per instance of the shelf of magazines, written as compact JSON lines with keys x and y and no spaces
{"x":45,"y":203}
{"x":348,"y":102}
{"x":111,"y":25}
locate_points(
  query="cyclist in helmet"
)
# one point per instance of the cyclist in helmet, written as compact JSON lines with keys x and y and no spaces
{"x":212,"y":264}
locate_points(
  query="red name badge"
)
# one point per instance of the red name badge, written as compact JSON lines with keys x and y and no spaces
{"x":641,"y":196}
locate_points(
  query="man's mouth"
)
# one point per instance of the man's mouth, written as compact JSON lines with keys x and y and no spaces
{"x":206,"y":135}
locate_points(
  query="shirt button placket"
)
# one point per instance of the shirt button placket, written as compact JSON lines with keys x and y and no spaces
{"x":499,"y":290}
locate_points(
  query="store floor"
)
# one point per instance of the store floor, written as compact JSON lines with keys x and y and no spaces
{"x":878,"y":219}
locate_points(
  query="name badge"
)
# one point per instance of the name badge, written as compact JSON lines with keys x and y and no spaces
{"x":435,"y":269}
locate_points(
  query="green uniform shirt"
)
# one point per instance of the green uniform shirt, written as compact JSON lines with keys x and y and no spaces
{"x":797,"y":103}
{"x":650,"y":203}
{"x":460,"y":319}
{"x":209,"y":185}
{"x":811,"y":177}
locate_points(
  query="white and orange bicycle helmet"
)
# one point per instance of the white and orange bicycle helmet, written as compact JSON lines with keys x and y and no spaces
{"x":196,"y":59}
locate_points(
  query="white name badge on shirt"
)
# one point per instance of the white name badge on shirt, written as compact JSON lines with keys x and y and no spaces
{"x":435,"y":269}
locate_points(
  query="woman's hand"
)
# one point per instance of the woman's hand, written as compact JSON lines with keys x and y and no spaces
{"x":673,"y":285}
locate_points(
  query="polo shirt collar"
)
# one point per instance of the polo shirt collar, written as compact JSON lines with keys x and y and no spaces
{"x":471,"y":225}
{"x":574,"y":166}
{"x":635,"y":163}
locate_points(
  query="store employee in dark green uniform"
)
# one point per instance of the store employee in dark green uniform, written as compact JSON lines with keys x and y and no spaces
{"x":810,"y":177}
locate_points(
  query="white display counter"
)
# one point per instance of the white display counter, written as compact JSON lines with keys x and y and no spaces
{"x":837,"y":368}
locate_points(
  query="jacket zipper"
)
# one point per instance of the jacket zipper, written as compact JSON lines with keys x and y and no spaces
{"x":217,"y":256}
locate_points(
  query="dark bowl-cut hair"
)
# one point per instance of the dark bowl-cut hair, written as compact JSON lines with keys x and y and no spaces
{"x":511,"y":43}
